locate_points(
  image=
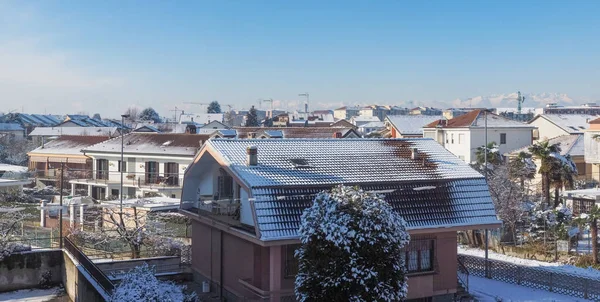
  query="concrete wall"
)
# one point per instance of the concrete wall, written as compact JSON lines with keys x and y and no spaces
{"x":24,"y":270}
{"x":162,"y":265}
{"x":77,"y":285}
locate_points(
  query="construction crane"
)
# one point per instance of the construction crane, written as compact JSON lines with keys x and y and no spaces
{"x":520,"y":100}
{"x":305,"y":104}
{"x":266,"y":101}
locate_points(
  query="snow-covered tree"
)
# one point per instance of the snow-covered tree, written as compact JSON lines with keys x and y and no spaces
{"x":213,"y":107}
{"x":543,"y":151}
{"x":10,"y":219}
{"x":494,"y":157}
{"x":252,"y":118}
{"x":351,"y":249}
{"x":133,"y":112}
{"x":591,"y":218}
{"x":149,"y":114}
{"x":522,"y":168}
{"x":141,"y":285}
{"x":15,"y":152}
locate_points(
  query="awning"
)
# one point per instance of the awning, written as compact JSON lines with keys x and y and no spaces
{"x":57,"y":159}
{"x":77,"y":160}
{"x":38,"y":159}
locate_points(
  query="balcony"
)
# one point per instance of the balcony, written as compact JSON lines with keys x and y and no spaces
{"x":130,"y":180}
{"x":226,"y":211}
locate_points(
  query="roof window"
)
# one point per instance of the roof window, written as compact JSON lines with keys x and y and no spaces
{"x":300,"y":162}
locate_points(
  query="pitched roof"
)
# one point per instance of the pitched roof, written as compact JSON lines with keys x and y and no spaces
{"x":67,"y":144}
{"x":343,"y":124}
{"x":411,"y":124}
{"x":365,"y":119}
{"x":153,"y":143}
{"x":373,"y":125}
{"x":295,"y":132}
{"x":571,"y":123}
{"x":11,"y":127}
{"x":595,"y":121}
{"x":476,"y":118}
{"x":84,"y":131}
{"x":31,"y":119}
{"x":443,"y":192}
{"x":571,"y":144}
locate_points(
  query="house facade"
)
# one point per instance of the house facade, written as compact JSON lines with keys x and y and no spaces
{"x":464,"y":134}
{"x":346,"y":112}
{"x":407,"y":126}
{"x":154,"y":164}
{"x":553,"y":125}
{"x":245,"y":199}
{"x":11,"y":132}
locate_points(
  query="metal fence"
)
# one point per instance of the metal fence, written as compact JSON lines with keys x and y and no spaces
{"x":533,"y":277}
{"x":92,"y":269}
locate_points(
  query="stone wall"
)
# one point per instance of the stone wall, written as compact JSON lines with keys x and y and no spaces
{"x":24,"y":270}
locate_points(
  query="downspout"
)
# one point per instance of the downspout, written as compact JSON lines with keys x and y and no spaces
{"x":221,"y":264}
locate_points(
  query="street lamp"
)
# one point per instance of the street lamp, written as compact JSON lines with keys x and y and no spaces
{"x":123,"y":117}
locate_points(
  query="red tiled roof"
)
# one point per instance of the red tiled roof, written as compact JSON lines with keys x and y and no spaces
{"x":464,"y":120}
{"x":595,"y":121}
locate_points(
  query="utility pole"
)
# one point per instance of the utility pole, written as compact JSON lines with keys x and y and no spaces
{"x":485,"y":169}
{"x":121,"y":165}
{"x":60,"y":213}
{"x":175,"y":114}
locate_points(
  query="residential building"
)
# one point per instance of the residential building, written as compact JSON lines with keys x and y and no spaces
{"x":375,"y":110}
{"x":371,"y":127}
{"x":154,"y":164}
{"x":591,"y":138}
{"x":201,"y":118}
{"x":76,"y":120}
{"x":464,"y":134}
{"x":425,"y":111}
{"x":346,"y":112}
{"x":581,"y":201}
{"x":455,"y":112}
{"x":30,"y":121}
{"x":11,"y":132}
{"x":281,"y":120}
{"x":361,"y":120}
{"x":343,"y":124}
{"x":553,"y":125}
{"x":245,"y":199}
{"x":407,"y":126}
{"x":589,"y":109}
{"x":47,"y":160}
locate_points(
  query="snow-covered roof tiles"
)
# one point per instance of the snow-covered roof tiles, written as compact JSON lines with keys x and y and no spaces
{"x":570,"y":144}
{"x":438,"y":192}
{"x":365,"y":119}
{"x":85,"y":131}
{"x":296,"y":132}
{"x":71,"y":145}
{"x":411,"y":124}
{"x":477,"y":119}
{"x":571,"y":123}
{"x":12,"y":168}
{"x":11,"y":127}
{"x":153,"y":143}
{"x":373,"y":125}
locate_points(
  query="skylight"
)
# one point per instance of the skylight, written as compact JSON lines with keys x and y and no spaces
{"x":300,"y":162}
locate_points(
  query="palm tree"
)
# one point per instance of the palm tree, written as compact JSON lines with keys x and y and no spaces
{"x":493,"y":154}
{"x":592,"y":218}
{"x":522,"y":168}
{"x":543,"y":151}
{"x":562,"y":175}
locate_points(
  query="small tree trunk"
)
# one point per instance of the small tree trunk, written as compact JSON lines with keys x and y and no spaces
{"x":135,"y":251}
{"x":594,"y":235}
{"x":546,"y":187}
{"x":556,"y":196}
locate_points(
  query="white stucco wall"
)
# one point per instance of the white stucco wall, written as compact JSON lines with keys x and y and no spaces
{"x":516,"y":138}
{"x":546,"y":129}
{"x":245,"y":209}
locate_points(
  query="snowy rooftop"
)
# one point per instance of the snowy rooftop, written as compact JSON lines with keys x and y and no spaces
{"x":71,"y":145}
{"x":373,"y":125}
{"x":583,"y":193}
{"x":411,"y":124}
{"x":153,"y":143}
{"x":438,"y":192}
{"x":12,"y":168}
{"x":83,"y":131}
{"x":366,"y":119}
{"x":477,"y":119}
{"x":294,"y":132}
{"x":11,"y":127}
{"x":571,"y":123}
{"x":571,"y":144}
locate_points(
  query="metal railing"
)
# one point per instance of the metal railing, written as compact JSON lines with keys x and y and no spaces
{"x":534,"y":277}
{"x":463,"y":275}
{"x":89,"y":266}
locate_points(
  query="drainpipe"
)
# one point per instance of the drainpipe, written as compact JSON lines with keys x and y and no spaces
{"x":221,"y":264}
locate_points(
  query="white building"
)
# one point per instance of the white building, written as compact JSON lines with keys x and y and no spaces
{"x":406,"y":126}
{"x":371,"y":127}
{"x":153,"y":163}
{"x":464,"y":134}
{"x":553,"y":125}
{"x":201,"y":118}
{"x":12,"y":131}
{"x":346,"y":112}
{"x":361,"y":120}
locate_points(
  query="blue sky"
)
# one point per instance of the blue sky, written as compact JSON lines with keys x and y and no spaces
{"x":104,"y":56}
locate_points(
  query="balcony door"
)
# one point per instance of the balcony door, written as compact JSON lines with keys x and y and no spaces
{"x":172,"y":174}
{"x":101,"y":169}
{"x":151,"y":172}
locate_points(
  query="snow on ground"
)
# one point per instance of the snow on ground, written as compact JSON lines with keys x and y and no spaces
{"x":551,"y":266}
{"x":30,"y":295}
{"x":486,"y":290}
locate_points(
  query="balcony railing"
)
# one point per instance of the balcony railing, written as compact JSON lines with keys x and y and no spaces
{"x":224,"y":207}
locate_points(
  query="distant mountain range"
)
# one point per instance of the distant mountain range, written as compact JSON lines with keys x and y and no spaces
{"x":510,"y":100}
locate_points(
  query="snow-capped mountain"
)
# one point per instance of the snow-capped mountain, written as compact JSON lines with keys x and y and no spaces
{"x":510,"y":100}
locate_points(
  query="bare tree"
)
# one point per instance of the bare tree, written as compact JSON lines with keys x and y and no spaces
{"x":10,"y":219}
{"x":133,"y":113}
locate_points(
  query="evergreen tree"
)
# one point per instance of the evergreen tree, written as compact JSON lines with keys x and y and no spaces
{"x":97,"y":117}
{"x":351,"y":249}
{"x":251,"y":118}
{"x":149,"y":114}
{"x":268,"y":122}
{"x":213,"y":107}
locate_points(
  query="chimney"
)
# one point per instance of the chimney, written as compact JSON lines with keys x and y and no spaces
{"x":414,"y":153}
{"x":337,"y":135}
{"x":252,"y":156}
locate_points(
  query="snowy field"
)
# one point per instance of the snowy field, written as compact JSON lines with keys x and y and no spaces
{"x":30,"y":295}
{"x":555,"y":267}
{"x":486,"y":290}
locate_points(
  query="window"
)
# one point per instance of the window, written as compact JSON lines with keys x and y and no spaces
{"x":101,"y":169}
{"x":151,"y":172}
{"x":452,"y":138}
{"x":461,"y":138}
{"x":122,"y":166}
{"x":419,"y":255}
{"x":502,"y":138}
{"x":290,"y":264}
{"x":225,"y":183}
{"x":446,"y":138}
{"x":172,"y":174}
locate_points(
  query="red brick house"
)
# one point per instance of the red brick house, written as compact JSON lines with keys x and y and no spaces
{"x":245,"y":198}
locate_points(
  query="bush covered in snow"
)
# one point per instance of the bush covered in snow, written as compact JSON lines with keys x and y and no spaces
{"x":351,"y":249}
{"x":141,"y":285}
